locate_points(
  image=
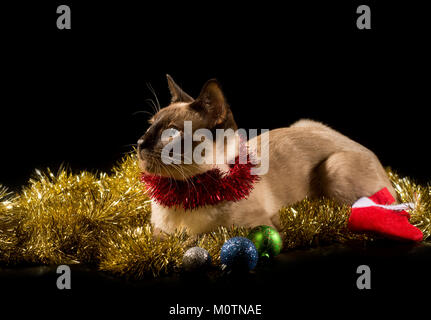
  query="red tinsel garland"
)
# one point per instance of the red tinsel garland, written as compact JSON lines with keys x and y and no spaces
{"x":208,"y":188}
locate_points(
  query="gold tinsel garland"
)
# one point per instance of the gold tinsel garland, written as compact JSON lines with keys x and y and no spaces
{"x":103,"y":220}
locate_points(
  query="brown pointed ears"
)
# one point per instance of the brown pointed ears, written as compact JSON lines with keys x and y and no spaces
{"x":178,"y":95}
{"x":212,"y":100}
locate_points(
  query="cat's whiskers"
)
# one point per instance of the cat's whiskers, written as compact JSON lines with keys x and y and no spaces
{"x":143,"y":111}
{"x":150,"y":87}
{"x":152,"y":105}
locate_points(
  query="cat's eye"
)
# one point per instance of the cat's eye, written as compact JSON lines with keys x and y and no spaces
{"x":174,"y":131}
{"x":171,"y":133}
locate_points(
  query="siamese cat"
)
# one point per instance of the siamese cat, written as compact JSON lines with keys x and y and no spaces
{"x":306,"y":159}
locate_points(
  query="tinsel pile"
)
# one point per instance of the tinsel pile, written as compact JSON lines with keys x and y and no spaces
{"x":209,"y":188}
{"x":103,"y":220}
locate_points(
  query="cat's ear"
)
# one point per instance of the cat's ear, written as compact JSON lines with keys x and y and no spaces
{"x":178,"y":95}
{"x":212,"y":100}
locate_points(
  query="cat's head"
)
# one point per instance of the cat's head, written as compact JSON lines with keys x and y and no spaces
{"x":208,"y":111}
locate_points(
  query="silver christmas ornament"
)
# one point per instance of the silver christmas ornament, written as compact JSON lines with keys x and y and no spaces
{"x":196,"y":258}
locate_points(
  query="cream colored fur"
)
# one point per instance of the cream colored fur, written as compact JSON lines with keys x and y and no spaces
{"x":307,"y":159}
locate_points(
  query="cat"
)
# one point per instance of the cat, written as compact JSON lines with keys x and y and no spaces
{"x":306,"y":159}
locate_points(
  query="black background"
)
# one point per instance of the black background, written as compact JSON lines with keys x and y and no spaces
{"x":72,"y":96}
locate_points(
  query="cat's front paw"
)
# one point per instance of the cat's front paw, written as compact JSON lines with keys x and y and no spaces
{"x":159,"y":234}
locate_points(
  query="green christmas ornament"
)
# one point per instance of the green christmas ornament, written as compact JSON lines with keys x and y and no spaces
{"x":267,"y":241}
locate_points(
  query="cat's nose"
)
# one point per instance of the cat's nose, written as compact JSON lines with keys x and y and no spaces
{"x":141,"y":144}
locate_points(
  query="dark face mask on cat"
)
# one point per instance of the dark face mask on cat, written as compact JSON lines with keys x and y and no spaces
{"x":210,"y":111}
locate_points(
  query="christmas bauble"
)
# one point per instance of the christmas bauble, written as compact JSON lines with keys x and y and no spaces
{"x":267,"y":241}
{"x":239,"y":253}
{"x":196,"y":258}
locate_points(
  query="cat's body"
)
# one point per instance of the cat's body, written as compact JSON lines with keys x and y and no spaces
{"x":321,"y":162}
{"x":307,"y":159}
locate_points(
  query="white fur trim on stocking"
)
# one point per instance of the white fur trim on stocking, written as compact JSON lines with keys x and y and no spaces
{"x":367,"y":202}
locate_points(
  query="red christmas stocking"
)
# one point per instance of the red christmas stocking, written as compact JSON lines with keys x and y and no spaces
{"x":376,"y":214}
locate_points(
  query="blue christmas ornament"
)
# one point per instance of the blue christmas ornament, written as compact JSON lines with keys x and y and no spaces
{"x":239,"y":253}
